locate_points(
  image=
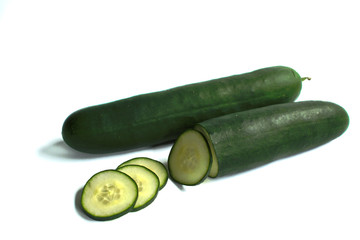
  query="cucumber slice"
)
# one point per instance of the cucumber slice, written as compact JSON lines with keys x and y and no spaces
{"x":157,"y":167}
{"x":147,"y":182}
{"x":215,"y":165}
{"x":190,"y":159}
{"x":108,"y":195}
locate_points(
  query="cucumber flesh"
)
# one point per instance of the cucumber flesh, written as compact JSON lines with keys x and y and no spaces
{"x":190,"y":159}
{"x":157,"y":167}
{"x":147,"y":183}
{"x":108,"y":195}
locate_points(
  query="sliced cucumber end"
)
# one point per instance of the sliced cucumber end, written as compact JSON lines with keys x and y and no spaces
{"x":109,"y":194}
{"x":147,"y":184}
{"x":215,"y":165}
{"x":190,"y":159}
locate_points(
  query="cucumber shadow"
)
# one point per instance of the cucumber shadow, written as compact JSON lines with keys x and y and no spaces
{"x":58,"y":149}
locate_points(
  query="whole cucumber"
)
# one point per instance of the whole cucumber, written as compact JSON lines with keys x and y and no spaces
{"x":159,"y":117}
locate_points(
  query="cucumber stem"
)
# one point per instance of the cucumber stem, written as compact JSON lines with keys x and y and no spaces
{"x":305,"y":78}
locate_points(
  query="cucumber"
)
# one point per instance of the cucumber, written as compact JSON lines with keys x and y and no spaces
{"x":159,"y":117}
{"x":246,"y":140}
{"x":157,"y":167}
{"x":147,"y":184}
{"x":190,"y":159}
{"x":109,"y":194}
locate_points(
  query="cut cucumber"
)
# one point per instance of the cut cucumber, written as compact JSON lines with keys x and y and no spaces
{"x":108,"y":195}
{"x":190,"y":159}
{"x":157,"y":167}
{"x":249,"y":139}
{"x":147,"y":183}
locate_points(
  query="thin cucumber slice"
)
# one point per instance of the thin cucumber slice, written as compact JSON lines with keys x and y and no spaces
{"x":215,"y":165}
{"x":190,"y":159}
{"x":108,"y":195}
{"x":157,"y":167}
{"x":147,"y":182}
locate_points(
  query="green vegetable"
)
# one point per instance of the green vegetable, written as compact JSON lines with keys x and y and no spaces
{"x":245,"y":140}
{"x":159,"y":117}
{"x":108,"y":195}
{"x":157,"y":167}
{"x":190,"y":159}
{"x":147,"y":183}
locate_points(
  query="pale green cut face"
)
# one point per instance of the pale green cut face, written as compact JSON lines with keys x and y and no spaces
{"x":108,"y":193}
{"x":190,"y":158}
{"x":147,"y":183}
{"x":157,"y":167}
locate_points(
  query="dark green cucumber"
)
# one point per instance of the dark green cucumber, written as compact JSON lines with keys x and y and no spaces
{"x":245,"y":140}
{"x":159,"y":117}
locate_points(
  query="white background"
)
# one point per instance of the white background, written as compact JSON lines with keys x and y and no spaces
{"x":59,"y":56}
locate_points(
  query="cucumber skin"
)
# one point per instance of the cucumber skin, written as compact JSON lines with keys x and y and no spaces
{"x":246,"y":140}
{"x":159,"y":117}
